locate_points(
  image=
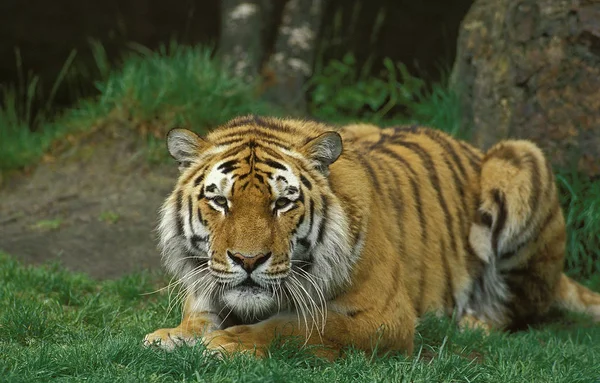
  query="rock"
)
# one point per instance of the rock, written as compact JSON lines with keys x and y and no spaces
{"x":531,"y":69}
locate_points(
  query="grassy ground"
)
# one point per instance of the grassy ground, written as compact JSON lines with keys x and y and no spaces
{"x":55,"y":325}
{"x":64,"y":326}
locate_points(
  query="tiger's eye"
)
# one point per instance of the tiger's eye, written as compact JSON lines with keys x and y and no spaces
{"x":282,"y":202}
{"x":220,"y":201}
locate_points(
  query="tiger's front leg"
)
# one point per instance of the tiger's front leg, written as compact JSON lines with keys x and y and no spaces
{"x":368,"y":331}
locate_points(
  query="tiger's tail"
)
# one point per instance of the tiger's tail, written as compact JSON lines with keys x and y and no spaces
{"x":573,"y":296}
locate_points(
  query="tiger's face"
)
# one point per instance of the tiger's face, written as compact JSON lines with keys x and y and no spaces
{"x":246,"y":217}
{"x":253,"y":206}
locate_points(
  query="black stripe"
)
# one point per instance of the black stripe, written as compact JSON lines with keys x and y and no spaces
{"x":398,"y":130}
{"x":190,"y":213}
{"x":275,"y":164}
{"x":233,"y":151}
{"x":414,"y":186}
{"x":448,"y":273}
{"x":200,"y":217}
{"x":232,"y":140}
{"x":198,"y":180}
{"x":260,"y":122}
{"x":196,"y":240}
{"x":178,"y":205}
{"x":259,"y":178}
{"x":396,"y":196}
{"x":211,"y":188}
{"x":228,"y":166}
{"x":462,"y":203}
{"x":446,"y":144}
{"x":435,"y":182}
{"x":240,"y":122}
{"x":300,"y":222}
{"x":265,"y":172}
{"x":304,"y":242}
{"x":547,"y":220}
{"x":323,"y":223}
{"x":473,"y":156}
{"x":500,"y":221}
{"x":552,"y":214}
{"x":485,"y":218}
{"x":372,"y":175}
{"x":311,"y":216}
{"x":275,"y":143}
{"x":305,"y":182}
{"x":534,"y":197}
{"x":242,"y":176}
{"x":506,"y":153}
{"x":422,"y":286}
{"x":263,"y":135}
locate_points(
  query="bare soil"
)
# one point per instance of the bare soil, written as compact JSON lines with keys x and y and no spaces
{"x":93,"y":208}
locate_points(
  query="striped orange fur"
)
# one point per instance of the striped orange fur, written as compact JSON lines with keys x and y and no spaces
{"x":519,"y":232}
{"x":347,"y":236}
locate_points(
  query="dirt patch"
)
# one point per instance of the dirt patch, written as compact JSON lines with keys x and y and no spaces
{"x":93,"y":209}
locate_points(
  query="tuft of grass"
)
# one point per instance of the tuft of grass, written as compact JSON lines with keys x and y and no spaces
{"x":19,"y":145}
{"x":57,"y":325}
{"x":580,"y":198}
{"x":176,"y":85}
{"x":23,"y":115}
{"x":150,"y":93}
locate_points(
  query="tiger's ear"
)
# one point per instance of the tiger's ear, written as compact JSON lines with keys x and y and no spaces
{"x":324,"y":150}
{"x":184,"y":146}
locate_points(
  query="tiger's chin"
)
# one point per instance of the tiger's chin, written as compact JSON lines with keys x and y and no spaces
{"x":250,"y":301}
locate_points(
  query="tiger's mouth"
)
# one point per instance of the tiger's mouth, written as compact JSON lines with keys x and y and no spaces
{"x":250,"y":285}
{"x":249,"y":297}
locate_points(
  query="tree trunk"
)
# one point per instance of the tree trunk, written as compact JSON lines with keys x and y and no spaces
{"x":240,"y":45}
{"x":291,"y":64}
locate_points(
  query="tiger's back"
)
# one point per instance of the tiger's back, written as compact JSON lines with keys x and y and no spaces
{"x":425,"y":191}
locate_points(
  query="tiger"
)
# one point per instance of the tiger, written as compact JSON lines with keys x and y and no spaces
{"x":344,"y":237}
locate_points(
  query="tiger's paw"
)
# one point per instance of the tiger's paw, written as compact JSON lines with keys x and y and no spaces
{"x":470,"y":322}
{"x":225,"y":343}
{"x":169,"y":338}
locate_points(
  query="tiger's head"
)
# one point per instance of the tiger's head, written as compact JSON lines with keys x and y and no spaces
{"x":252,"y":223}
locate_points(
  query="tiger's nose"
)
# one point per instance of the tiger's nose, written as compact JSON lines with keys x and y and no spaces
{"x":248,"y":262}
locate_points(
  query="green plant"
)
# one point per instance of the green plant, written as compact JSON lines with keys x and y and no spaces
{"x":580,"y":198}
{"x":339,"y":91}
{"x":176,"y":85}
{"x":150,"y":92}
{"x":23,"y":114}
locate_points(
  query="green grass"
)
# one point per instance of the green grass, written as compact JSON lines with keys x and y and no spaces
{"x":580,"y":198}
{"x":151,"y":92}
{"x":61,"y":326}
